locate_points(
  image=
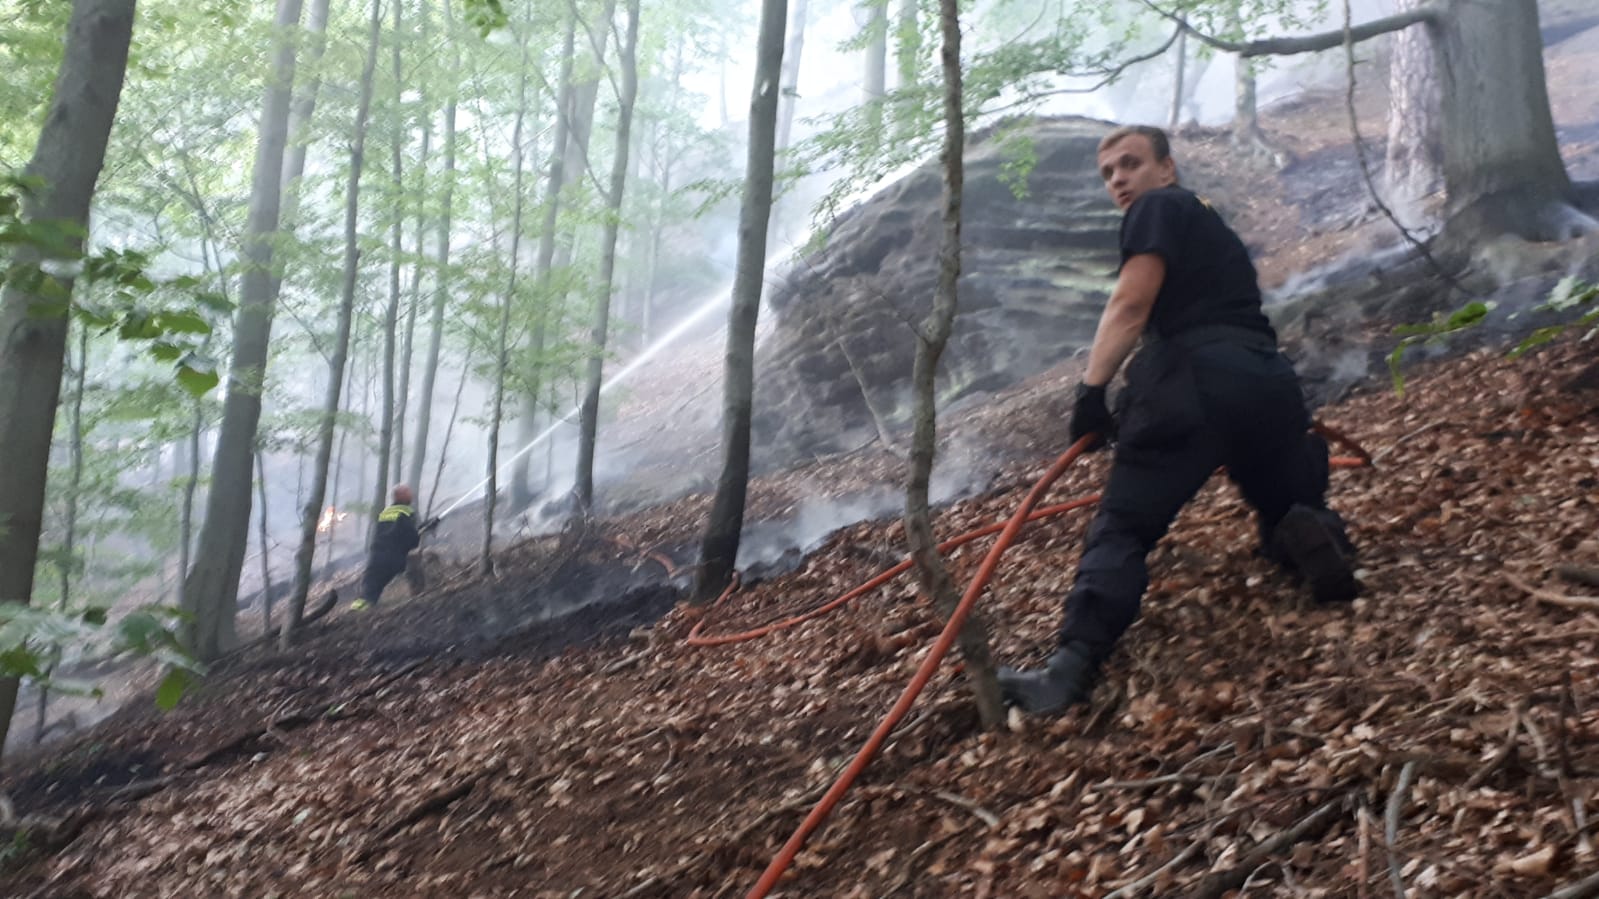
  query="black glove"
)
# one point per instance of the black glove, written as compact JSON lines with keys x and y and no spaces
{"x":430,"y":524}
{"x":1090,"y":415}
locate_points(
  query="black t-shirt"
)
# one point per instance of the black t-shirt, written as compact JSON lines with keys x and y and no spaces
{"x":1209,"y":277}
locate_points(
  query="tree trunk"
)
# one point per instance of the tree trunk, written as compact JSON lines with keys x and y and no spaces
{"x":486,"y":559}
{"x":305,"y":552}
{"x":719,"y":548}
{"x":932,"y":337}
{"x":212,"y":588}
{"x":1508,"y":177}
{"x":265,"y":538}
{"x":391,"y":313}
{"x":69,"y":518}
{"x":580,"y":126}
{"x":521,"y":473}
{"x":874,"y":80}
{"x":403,"y":403}
{"x":1504,"y":179}
{"x":1414,"y":167}
{"x":67,"y":159}
{"x":791,"y":68}
{"x":430,"y":370}
{"x":589,"y":418}
{"x":301,"y":110}
{"x":1175,"y":116}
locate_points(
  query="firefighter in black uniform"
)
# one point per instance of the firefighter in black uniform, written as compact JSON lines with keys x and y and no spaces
{"x":396,"y":535}
{"x":1207,"y":388}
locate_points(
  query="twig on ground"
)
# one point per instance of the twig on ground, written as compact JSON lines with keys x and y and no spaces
{"x":982,"y":814}
{"x":1137,"y":887}
{"x":913,"y":866}
{"x":625,"y":662}
{"x":1396,"y":808}
{"x":1586,"y":603}
{"x":1505,"y":751}
{"x":1216,"y":885}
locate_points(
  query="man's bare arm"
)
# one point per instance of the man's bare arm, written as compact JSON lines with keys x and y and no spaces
{"x":1125,"y":315}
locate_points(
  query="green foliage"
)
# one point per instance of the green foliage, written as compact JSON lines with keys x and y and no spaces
{"x":28,"y":636}
{"x":1441,"y":326}
{"x":117,"y":292}
{"x":1571,"y":293}
{"x":485,"y":15}
{"x":1568,"y":295}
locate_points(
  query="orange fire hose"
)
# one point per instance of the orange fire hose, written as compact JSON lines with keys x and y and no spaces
{"x":946,"y":638}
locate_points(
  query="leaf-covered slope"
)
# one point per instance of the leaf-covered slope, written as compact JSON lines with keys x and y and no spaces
{"x":1448,"y":706}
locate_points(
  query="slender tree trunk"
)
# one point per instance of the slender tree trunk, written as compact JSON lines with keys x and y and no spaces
{"x":67,"y":159}
{"x":69,"y":518}
{"x":791,"y":68}
{"x":391,"y":313}
{"x":932,"y":337}
{"x":527,"y":421}
{"x":719,"y":548}
{"x":212,"y":588}
{"x":874,"y":82}
{"x":305,"y":553}
{"x":301,"y":109}
{"x":449,"y":430}
{"x":575,"y":150}
{"x":403,"y":403}
{"x":486,"y":559}
{"x":441,"y":282}
{"x":264,"y":535}
{"x":589,"y":417}
{"x":1175,"y":117}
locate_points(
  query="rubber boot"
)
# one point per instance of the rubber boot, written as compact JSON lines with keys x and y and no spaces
{"x":1066,"y":680}
{"x":1313,"y":542}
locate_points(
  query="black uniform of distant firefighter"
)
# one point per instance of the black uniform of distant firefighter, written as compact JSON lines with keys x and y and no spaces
{"x":396,"y":535}
{"x":1207,"y":388}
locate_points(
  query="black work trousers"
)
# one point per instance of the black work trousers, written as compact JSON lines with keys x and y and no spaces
{"x":1245,"y":411}
{"x":381,"y":567}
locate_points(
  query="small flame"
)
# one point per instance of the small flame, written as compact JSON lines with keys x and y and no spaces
{"x":330,"y":517}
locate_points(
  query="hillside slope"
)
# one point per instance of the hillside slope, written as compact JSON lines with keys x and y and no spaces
{"x":641,"y":766}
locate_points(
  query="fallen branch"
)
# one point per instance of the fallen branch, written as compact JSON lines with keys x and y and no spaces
{"x":1137,"y":887}
{"x":1586,"y":603}
{"x":1396,"y":808}
{"x":1578,"y":574}
{"x":1216,"y":885}
{"x":436,"y":801}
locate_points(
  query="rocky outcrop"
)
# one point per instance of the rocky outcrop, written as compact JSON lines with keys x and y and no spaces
{"x":1035,"y":271}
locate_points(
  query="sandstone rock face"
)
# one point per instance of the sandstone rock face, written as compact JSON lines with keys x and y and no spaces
{"x":1035,"y":272}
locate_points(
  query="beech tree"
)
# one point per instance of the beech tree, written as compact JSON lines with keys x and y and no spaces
{"x":1504,"y":179}
{"x":719,"y":547}
{"x":931,"y":338}
{"x":66,"y":165}
{"x":212,"y":589}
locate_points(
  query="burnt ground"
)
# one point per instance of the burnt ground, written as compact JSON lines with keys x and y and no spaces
{"x":548,"y":732}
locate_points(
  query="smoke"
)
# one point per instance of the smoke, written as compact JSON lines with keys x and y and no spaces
{"x":766,"y":543}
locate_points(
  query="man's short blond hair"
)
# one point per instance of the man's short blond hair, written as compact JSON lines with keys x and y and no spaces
{"x":1157,"y":139}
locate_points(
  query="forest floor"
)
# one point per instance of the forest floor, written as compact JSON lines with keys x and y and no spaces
{"x":549,"y":733}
